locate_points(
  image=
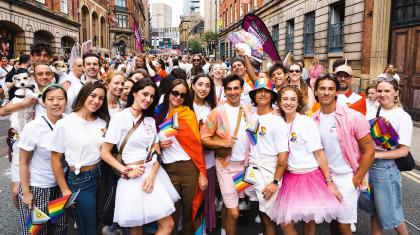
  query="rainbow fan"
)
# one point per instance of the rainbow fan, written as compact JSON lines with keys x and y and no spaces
{"x":383,"y":133}
{"x":252,"y":131}
{"x":240,"y":184}
{"x":251,"y":40}
{"x":170,"y":127}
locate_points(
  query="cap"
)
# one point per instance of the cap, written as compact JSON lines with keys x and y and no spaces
{"x":344,"y":68}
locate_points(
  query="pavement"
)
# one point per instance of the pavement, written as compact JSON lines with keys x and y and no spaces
{"x":415,"y":144}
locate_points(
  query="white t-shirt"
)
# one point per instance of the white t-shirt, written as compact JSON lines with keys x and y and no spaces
{"x":136,"y":147}
{"x":329,"y":139}
{"x":41,"y":174}
{"x":272,"y":137}
{"x":400,"y":120}
{"x":241,"y":147}
{"x":304,"y":139}
{"x":72,"y":79}
{"x":72,"y":93}
{"x":79,"y":140}
{"x":202,"y":112}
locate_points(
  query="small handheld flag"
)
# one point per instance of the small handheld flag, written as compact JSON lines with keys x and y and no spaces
{"x":32,"y":228}
{"x":170,"y":127}
{"x":151,"y":149}
{"x":249,"y":176}
{"x":72,"y":199}
{"x":252,"y":131}
{"x":240,"y":184}
{"x":383,"y":133}
{"x":56,"y":207}
{"x":39,"y":217}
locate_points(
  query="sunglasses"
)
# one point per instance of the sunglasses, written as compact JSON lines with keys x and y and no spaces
{"x":387,"y":79}
{"x":294,"y":71}
{"x":195,"y":60}
{"x":177,"y":93}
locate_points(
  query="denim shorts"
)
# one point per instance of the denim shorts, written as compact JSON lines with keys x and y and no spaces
{"x":386,"y":204}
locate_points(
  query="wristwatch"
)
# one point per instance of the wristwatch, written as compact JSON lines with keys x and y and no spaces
{"x":276,"y":182}
{"x":329,"y":180}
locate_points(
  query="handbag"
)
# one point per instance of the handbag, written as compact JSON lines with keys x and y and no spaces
{"x":405,"y":163}
{"x":105,"y":201}
{"x":226,"y":152}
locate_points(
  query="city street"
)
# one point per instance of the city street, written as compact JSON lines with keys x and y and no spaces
{"x":9,"y":223}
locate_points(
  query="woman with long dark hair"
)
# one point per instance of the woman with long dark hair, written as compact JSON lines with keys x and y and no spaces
{"x":144,"y":193}
{"x":79,"y":137}
{"x":197,"y":65}
{"x":203,"y":101}
{"x":182,"y":156}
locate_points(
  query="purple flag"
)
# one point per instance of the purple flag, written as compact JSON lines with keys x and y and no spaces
{"x":137,"y":35}
{"x":253,"y":24}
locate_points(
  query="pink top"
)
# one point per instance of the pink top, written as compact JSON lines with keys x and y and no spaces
{"x":351,"y":127}
{"x":315,"y":71}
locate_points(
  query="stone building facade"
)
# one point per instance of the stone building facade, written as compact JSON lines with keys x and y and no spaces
{"x":24,"y":21}
{"x":125,"y":13}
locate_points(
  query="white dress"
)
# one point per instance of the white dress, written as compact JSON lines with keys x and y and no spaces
{"x":134,"y":206}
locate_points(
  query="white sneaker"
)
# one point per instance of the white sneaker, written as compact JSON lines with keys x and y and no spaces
{"x":243,"y":206}
{"x":105,"y":231}
{"x":222,"y":231}
{"x":353,"y":227}
{"x":257,"y":219}
{"x":75,"y":225}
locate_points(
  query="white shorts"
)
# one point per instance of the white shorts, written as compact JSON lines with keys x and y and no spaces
{"x":344,"y":183}
{"x":263,"y":179}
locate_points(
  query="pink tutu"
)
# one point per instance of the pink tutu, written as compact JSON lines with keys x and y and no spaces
{"x":305,"y":197}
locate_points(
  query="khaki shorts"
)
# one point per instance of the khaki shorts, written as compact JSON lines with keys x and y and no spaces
{"x":227,"y":186}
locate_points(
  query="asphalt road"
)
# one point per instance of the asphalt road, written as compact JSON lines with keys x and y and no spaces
{"x":9,"y":220}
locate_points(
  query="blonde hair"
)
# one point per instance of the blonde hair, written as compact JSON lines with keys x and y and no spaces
{"x":111,"y":75}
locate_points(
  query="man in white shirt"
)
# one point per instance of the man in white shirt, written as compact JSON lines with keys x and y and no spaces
{"x":91,"y":64}
{"x":223,"y":122}
{"x":75,"y":75}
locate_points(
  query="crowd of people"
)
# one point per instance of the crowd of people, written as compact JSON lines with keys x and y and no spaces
{"x":305,"y":135}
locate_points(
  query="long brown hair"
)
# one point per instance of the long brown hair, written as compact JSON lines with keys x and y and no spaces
{"x":301,"y":103}
{"x":85,"y":92}
{"x":163,"y":111}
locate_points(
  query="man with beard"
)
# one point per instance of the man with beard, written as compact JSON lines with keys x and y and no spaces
{"x":197,"y":66}
{"x":346,"y":97}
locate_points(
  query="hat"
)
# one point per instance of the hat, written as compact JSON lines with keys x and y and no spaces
{"x":263,"y":84}
{"x":344,"y":68}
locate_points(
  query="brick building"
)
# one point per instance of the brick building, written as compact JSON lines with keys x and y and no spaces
{"x":125,"y":13}
{"x":24,"y":21}
{"x":369,"y":34}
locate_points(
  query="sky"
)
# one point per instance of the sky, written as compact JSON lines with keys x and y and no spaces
{"x":177,"y":7}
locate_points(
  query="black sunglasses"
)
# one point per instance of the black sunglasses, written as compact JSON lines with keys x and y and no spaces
{"x":194,"y":60}
{"x":177,"y":93}
{"x":296,"y":71}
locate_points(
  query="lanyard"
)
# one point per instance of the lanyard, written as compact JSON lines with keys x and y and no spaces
{"x":47,"y":122}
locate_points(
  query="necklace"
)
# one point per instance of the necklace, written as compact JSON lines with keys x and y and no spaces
{"x":138,"y":110}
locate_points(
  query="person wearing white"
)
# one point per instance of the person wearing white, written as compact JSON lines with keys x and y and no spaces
{"x":270,"y":148}
{"x":114,"y":81}
{"x":386,"y":208}
{"x":146,"y":193}
{"x":38,"y":185}
{"x":79,"y":136}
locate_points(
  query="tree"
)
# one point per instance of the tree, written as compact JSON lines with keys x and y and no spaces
{"x":195,"y":46}
{"x":209,"y":36}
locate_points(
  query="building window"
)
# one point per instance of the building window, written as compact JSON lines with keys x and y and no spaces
{"x":405,"y":12}
{"x":290,"y":28}
{"x":309,"y":33}
{"x":335,"y":31}
{"x":63,"y":6}
{"x":120,"y":3}
{"x":122,"y":20}
{"x":276,"y":36}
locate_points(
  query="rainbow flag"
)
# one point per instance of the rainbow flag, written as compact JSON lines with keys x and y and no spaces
{"x":151,"y":149}
{"x":364,"y":187}
{"x":252,"y":131}
{"x":170,"y":127}
{"x":39,"y":217}
{"x":240,"y":184}
{"x":57,"y":206}
{"x":383,"y":133}
{"x":32,"y":228}
{"x":72,"y":199}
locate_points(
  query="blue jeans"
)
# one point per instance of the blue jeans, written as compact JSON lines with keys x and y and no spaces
{"x":85,"y":209}
{"x":385,"y":180}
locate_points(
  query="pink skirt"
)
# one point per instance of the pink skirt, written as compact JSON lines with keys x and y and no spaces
{"x":305,"y":197}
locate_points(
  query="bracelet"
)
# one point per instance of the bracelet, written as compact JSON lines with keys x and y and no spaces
{"x":124,"y":174}
{"x":329,"y":180}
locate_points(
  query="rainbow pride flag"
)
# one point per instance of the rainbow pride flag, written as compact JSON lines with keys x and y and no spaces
{"x":72,"y":199}
{"x":383,"y":133}
{"x":240,"y":184}
{"x":32,"y":228}
{"x":252,"y":131}
{"x":39,"y":217}
{"x":170,"y":127}
{"x":57,"y":206}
